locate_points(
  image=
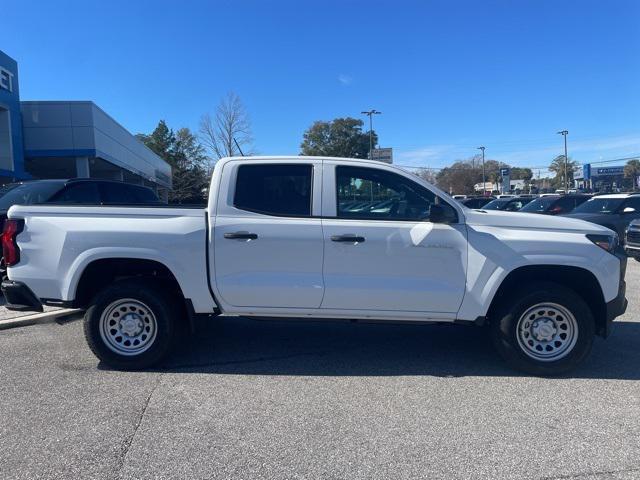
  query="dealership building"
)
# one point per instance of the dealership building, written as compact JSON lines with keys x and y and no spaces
{"x":604,"y":179}
{"x":67,"y":139}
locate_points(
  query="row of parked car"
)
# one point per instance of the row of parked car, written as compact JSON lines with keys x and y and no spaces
{"x":614,"y":211}
{"x":76,"y":191}
{"x":619,"y":212}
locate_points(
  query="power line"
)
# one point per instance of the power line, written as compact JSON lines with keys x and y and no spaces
{"x":537,"y":141}
{"x":636,"y":157}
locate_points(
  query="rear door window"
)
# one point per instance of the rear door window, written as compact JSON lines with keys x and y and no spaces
{"x":145,"y":195}
{"x":83,"y":193}
{"x":118,"y":194}
{"x":274,"y":189}
{"x":28,"y":193}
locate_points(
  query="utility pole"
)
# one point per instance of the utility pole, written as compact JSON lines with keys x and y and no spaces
{"x":566,"y":160}
{"x":483,"y":182}
{"x":371,"y":113}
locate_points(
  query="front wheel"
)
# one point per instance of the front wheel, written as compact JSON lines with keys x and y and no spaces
{"x":129,"y":325}
{"x":546,"y":329}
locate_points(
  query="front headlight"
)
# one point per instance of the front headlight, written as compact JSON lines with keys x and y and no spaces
{"x":606,"y":242}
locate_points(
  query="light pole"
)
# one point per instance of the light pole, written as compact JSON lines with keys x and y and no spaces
{"x":566,"y":160}
{"x":483,"y":182}
{"x":371,"y":113}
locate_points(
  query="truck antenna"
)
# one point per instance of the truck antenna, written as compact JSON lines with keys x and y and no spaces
{"x":238,"y":145}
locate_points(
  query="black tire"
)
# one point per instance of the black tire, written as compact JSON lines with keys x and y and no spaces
{"x":505,"y":334}
{"x":146,"y":293}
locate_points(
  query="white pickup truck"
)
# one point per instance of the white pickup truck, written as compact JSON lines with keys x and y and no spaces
{"x":320,"y":238}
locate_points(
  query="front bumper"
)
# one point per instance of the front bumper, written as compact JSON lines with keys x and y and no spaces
{"x":19,"y":297}
{"x":632,"y":250}
{"x":618,"y":305}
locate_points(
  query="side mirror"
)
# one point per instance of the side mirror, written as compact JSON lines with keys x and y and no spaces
{"x":441,"y":213}
{"x":628,"y":210}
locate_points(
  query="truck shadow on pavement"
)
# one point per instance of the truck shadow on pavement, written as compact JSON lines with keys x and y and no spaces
{"x":333,"y":348}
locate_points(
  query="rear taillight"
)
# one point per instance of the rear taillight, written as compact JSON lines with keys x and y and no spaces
{"x":10,"y":251}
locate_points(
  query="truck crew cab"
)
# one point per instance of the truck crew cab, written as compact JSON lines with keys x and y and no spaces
{"x":324,"y":238}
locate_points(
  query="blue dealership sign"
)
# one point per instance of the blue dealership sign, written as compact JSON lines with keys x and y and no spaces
{"x":583,"y":172}
{"x":608,"y":171}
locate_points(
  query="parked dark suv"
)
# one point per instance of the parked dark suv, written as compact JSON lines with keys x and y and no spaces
{"x":614,"y":211}
{"x":555,"y":204}
{"x":476,"y":202}
{"x":508,"y":204}
{"x":78,"y":191}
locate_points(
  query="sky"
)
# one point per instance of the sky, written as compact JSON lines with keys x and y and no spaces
{"x":448,"y":76}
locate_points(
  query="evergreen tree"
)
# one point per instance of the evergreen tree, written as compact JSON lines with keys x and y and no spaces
{"x":182,"y":151}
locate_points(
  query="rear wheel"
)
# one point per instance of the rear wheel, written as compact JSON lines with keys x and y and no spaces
{"x":130,"y":324}
{"x":546,"y":329}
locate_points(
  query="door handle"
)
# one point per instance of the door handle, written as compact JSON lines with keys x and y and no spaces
{"x":347,"y":238}
{"x":241,"y":236}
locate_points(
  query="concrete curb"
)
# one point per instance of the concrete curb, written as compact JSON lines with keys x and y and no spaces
{"x":38,"y":318}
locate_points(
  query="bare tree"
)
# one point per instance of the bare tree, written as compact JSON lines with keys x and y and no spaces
{"x":230,"y":124}
{"x":427,"y":174}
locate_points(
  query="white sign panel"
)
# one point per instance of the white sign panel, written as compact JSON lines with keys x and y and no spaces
{"x":382,"y":155}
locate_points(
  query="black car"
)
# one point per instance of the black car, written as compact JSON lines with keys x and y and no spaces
{"x":555,"y":204}
{"x":78,"y":191}
{"x":476,"y":202}
{"x":615,"y":211}
{"x":508,"y":204}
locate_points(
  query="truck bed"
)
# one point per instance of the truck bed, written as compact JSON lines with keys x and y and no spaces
{"x":60,"y":239}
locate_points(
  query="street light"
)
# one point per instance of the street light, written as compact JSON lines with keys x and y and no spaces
{"x":566,"y":160}
{"x":371,"y":113}
{"x":483,"y":184}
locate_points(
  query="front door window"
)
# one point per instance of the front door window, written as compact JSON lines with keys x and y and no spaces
{"x":372,"y":194}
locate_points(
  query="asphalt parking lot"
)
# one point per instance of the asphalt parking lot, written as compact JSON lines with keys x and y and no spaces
{"x":287,"y":399}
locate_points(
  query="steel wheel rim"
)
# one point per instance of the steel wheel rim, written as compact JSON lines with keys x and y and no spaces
{"x":547,"y":332}
{"x":128,"y":327}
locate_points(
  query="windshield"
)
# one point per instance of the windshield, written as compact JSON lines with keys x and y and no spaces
{"x":496,"y":204}
{"x":539,"y":204}
{"x":27,"y":193}
{"x":600,"y":205}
